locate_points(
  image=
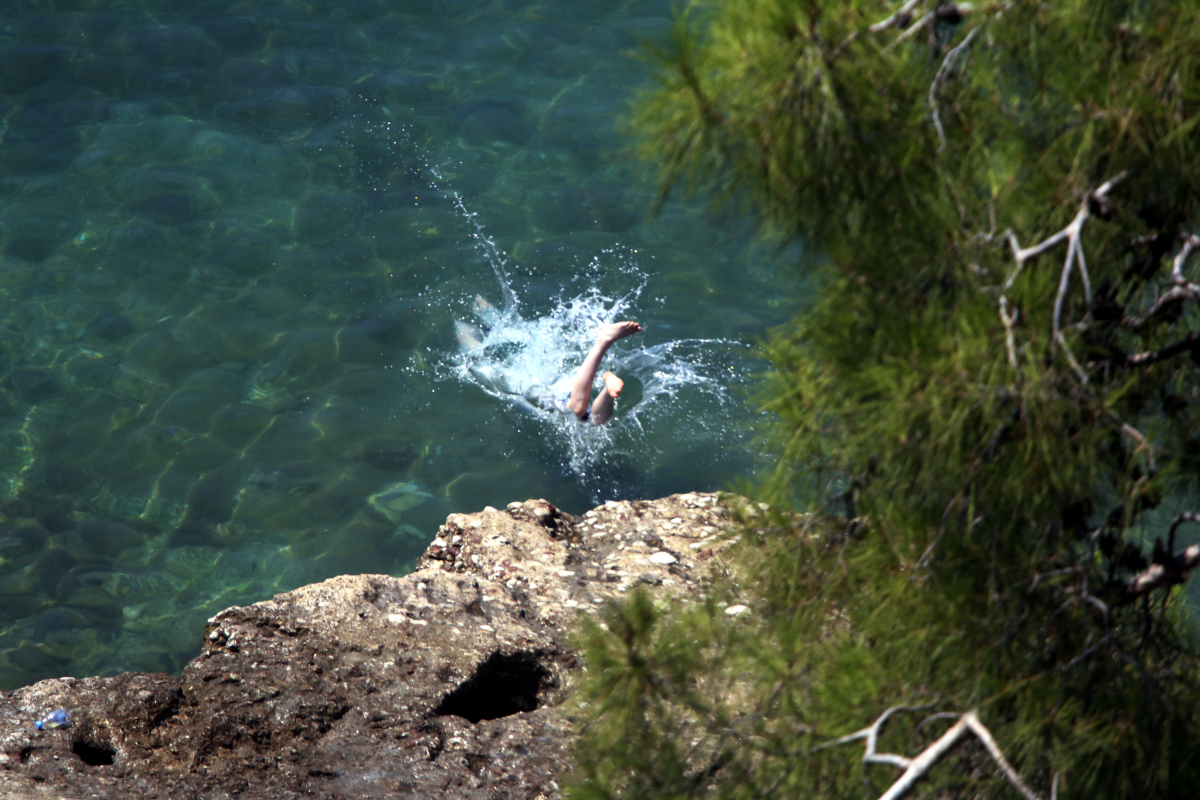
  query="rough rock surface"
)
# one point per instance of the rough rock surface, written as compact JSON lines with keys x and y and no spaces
{"x":447,"y":682}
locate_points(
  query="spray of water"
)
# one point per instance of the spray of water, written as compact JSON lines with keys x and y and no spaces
{"x":686,"y":385}
{"x":494,"y":257}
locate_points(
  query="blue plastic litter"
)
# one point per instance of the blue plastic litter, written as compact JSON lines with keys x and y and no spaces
{"x":53,"y":720}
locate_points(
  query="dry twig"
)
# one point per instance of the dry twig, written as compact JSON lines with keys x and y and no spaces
{"x":1180,"y":291}
{"x":1189,"y":342}
{"x":1072,"y":235}
{"x":916,"y":26}
{"x":1173,"y":570}
{"x":917,"y":767}
{"x":1190,"y":243}
{"x":942,"y":72}
{"x":899,"y":19}
{"x":1009,"y":320}
{"x":1139,"y":437}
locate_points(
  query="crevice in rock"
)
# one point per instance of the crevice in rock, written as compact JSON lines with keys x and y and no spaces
{"x":477,"y":761}
{"x":501,"y":686}
{"x":93,"y":754}
{"x":438,"y":745}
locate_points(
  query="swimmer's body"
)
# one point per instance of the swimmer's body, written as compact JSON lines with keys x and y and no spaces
{"x":578,"y":402}
{"x":581,"y":388}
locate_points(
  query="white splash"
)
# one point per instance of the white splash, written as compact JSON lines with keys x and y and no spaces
{"x":529,"y":363}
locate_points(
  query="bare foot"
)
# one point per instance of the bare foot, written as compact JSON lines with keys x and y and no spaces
{"x":613,"y":384}
{"x":617,"y":330}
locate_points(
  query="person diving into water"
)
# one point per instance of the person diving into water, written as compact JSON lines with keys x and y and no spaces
{"x":581,"y":387}
{"x":570,"y":394}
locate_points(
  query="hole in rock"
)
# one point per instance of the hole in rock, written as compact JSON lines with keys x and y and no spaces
{"x":93,"y":754}
{"x":501,"y":686}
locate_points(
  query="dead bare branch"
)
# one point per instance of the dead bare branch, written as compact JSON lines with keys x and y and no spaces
{"x":1061,"y":341}
{"x":902,"y":18}
{"x":919,"y":766}
{"x":871,"y":734}
{"x":997,"y":755}
{"x":916,"y":26}
{"x":1137,"y":436}
{"x":1072,"y":234}
{"x":1020,"y":256}
{"x":1172,"y":570}
{"x":1074,"y":257}
{"x":1190,"y":243}
{"x":1009,"y":321}
{"x":1156,"y":576}
{"x":899,"y":19}
{"x":942,"y":72}
{"x":1176,"y":294}
{"x":922,"y":763}
{"x":1187,"y":516}
{"x":1182,"y":290}
{"x":1190,"y":342}
{"x":1103,"y":189}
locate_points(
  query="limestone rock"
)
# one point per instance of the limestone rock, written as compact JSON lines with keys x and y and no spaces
{"x":446,"y":682}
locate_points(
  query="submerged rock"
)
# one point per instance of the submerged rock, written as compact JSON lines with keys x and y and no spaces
{"x":392,"y":501}
{"x":447,"y":682}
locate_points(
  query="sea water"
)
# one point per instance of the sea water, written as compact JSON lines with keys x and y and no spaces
{"x":238,"y":244}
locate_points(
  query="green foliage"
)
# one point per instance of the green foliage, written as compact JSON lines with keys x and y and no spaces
{"x":1000,"y":436}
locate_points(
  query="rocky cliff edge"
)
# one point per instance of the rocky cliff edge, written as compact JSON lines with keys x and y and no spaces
{"x":447,"y":682}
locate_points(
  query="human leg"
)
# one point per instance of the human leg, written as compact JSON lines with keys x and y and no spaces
{"x":581,"y":388}
{"x":602,"y":407}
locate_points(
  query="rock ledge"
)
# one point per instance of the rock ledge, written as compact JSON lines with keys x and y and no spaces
{"x":445,"y":682}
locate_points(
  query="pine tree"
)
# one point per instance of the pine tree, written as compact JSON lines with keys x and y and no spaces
{"x":992,"y":409}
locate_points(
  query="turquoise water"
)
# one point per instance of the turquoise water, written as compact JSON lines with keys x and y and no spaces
{"x":238,"y":244}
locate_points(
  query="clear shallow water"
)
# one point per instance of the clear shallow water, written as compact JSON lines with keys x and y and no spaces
{"x":231,"y":266}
